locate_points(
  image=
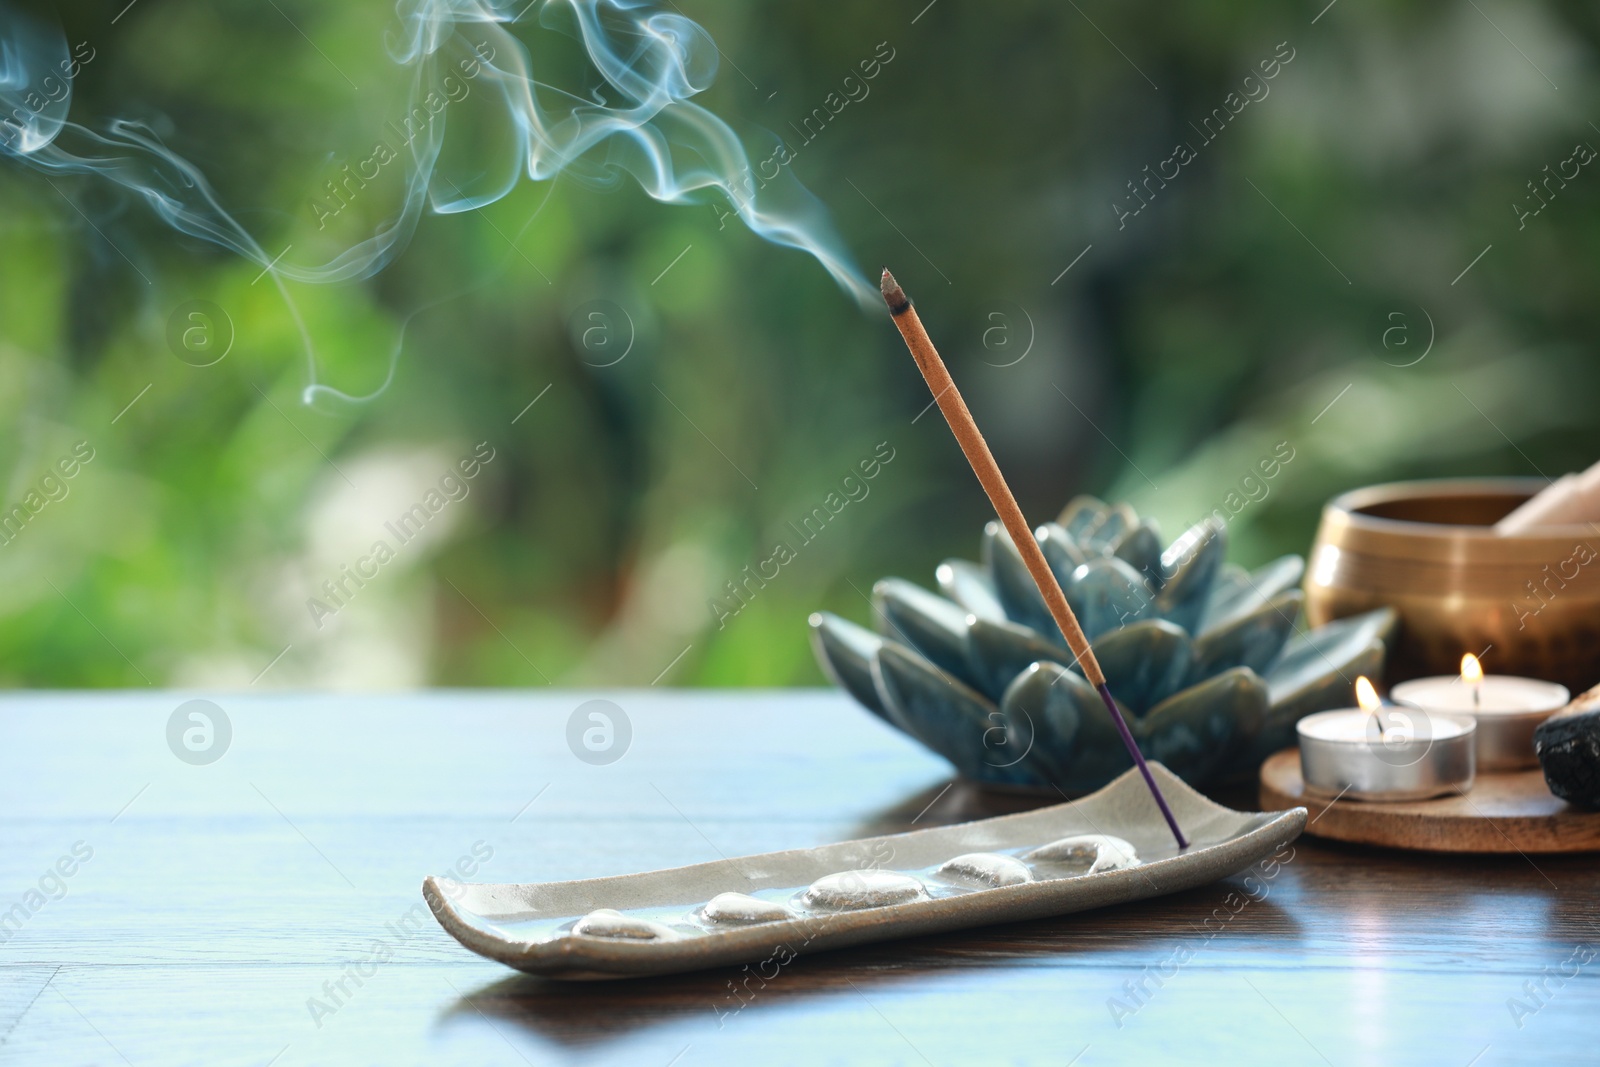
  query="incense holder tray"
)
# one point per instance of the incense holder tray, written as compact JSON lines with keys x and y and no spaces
{"x":1202,"y":655}
{"x":1109,"y":848}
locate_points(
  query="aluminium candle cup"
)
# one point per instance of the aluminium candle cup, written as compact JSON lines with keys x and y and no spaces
{"x":1509,"y":711}
{"x":1418,"y":755}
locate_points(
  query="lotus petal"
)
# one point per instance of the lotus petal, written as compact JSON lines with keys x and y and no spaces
{"x":1060,"y":551}
{"x":1073,"y":733}
{"x":1190,"y":564}
{"x":1248,"y":639}
{"x":1332,"y":690}
{"x":999,"y":651}
{"x":845,"y":651}
{"x":1308,"y":657}
{"x":1118,"y":520}
{"x":927,"y":622}
{"x":1140,"y":548}
{"x":1231,"y":583}
{"x":1281,"y":574}
{"x":1014,"y":585}
{"x":968,"y":584}
{"x":1144,"y":663}
{"x":1106,"y":593}
{"x":1236,"y":591}
{"x":1081,"y":514}
{"x":1317,"y":671}
{"x":952,"y":719}
{"x":1198,"y":729}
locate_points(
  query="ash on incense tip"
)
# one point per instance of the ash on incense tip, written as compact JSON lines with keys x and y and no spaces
{"x":893,"y":295}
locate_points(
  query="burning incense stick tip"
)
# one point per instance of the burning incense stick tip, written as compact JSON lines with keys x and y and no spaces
{"x":893,"y":295}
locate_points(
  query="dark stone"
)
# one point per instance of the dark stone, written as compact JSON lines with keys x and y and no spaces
{"x":1568,"y":744}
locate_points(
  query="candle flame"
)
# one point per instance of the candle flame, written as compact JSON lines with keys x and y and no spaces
{"x":1471,"y":669}
{"x":1367,"y":696}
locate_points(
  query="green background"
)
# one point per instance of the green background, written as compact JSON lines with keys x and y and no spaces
{"x":1303,"y":258}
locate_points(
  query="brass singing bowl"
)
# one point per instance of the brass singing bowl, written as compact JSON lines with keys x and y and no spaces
{"x":1428,"y":550}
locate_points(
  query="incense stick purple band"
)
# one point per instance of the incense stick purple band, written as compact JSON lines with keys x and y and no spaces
{"x":1138,"y":757}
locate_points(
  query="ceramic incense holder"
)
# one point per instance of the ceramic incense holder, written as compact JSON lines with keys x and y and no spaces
{"x":1109,"y":848}
{"x":1201,"y":655}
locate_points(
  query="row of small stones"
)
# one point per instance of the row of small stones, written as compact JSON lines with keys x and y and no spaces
{"x":851,"y":890}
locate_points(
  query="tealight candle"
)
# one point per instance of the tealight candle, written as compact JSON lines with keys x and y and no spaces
{"x":1378,"y":752}
{"x":1507,"y":710}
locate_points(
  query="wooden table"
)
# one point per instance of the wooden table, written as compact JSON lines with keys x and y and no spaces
{"x":220,"y":899}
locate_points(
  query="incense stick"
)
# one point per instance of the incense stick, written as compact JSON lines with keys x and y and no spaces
{"x":1005,"y":505}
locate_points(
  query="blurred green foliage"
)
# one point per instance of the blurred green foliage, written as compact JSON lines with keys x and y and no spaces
{"x":1258,"y":287}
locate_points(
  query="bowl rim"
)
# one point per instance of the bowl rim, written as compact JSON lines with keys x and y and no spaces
{"x":1347,"y":507}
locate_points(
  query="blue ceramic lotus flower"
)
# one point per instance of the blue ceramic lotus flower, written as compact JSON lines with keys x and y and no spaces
{"x":1201,"y":654}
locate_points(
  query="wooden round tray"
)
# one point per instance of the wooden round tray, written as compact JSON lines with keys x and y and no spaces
{"x":1513,"y":812}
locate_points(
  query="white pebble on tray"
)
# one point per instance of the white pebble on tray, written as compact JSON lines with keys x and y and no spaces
{"x":742,"y":908}
{"x":607,"y":923}
{"x":1097,"y":852}
{"x":984,"y":870}
{"x":863,"y":889}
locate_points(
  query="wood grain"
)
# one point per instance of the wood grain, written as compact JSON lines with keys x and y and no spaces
{"x":1513,"y":812}
{"x":223,"y":897}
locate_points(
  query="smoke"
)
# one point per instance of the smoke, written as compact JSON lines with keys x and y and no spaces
{"x":635,"y":117}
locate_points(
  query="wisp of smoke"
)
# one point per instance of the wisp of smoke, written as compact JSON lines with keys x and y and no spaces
{"x":640,"y":120}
